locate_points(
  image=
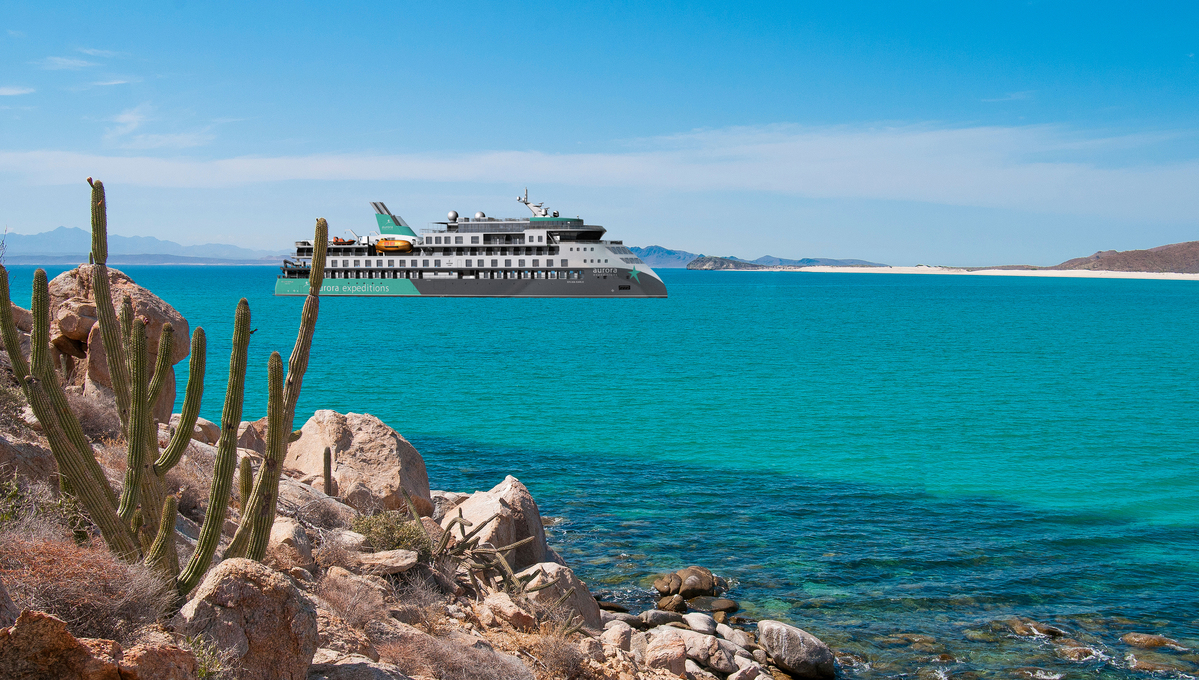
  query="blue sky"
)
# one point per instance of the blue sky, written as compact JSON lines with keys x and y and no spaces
{"x":951,"y":133}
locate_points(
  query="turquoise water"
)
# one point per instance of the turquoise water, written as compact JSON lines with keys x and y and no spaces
{"x":863,"y":455}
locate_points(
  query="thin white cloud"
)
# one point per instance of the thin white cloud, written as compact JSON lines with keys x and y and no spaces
{"x":14,"y":91}
{"x":129,"y":120}
{"x":107,"y":83}
{"x":16,"y":34}
{"x":1013,"y":96}
{"x":92,"y":52}
{"x":63,"y":64}
{"x":1021,"y":168}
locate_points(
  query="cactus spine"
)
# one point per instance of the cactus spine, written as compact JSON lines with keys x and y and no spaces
{"x":226,"y":455}
{"x":328,"y":471}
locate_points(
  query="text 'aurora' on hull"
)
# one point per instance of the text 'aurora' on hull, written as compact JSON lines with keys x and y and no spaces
{"x":540,"y":256}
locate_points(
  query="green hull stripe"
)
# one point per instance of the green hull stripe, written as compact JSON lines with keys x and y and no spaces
{"x":348,"y":287}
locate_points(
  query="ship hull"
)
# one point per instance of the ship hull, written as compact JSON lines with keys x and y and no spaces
{"x":590,"y":285}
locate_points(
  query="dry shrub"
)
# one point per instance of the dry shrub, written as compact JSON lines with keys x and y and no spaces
{"x":330,"y":554}
{"x":33,"y":506}
{"x":214,"y":663}
{"x":560,"y":658}
{"x":445,"y":660}
{"x":357,"y":606}
{"x":96,"y":419}
{"x":394,"y":530}
{"x":83,"y":584}
{"x":421,"y":603}
{"x":321,"y":514}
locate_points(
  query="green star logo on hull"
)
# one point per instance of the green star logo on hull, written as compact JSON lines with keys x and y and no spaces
{"x":633,"y":275}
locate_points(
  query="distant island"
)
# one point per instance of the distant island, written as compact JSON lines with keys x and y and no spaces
{"x":664,"y":258}
{"x":1176,"y":258}
{"x":70,"y":246}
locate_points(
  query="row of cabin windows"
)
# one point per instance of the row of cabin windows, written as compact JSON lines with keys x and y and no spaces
{"x":437,"y":263}
{"x":415,"y":274}
{"x":486,"y":251}
{"x":474,"y":240}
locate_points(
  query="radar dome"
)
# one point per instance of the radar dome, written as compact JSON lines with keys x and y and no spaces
{"x":479,"y":215}
{"x":453,"y":215}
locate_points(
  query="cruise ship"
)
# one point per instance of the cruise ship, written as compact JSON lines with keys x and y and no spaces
{"x":543,"y":255}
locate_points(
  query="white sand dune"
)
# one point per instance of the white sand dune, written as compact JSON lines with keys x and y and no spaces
{"x":953,"y":271}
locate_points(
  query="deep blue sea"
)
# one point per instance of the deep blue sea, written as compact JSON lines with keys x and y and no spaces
{"x":863,"y":455}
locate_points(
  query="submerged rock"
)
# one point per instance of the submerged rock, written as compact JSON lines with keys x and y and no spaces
{"x":1151,"y":641}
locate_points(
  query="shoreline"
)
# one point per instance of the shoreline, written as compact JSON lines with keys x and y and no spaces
{"x":959,"y":271}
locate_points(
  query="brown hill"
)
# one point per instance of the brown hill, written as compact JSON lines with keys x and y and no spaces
{"x":1182,"y":258}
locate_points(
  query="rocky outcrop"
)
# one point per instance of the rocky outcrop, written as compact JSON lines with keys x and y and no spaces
{"x":27,"y":459}
{"x":301,"y":500}
{"x":367,"y":454}
{"x":289,"y":544}
{"x":259,"y":615}
{"x":337,"y":635}
{"x":516,"y":518}
{"x":580,"y":601}
{"x":205,"y":431}
{"x":501,"y":606}
{"x":354,"y":667}
{"x":38,"y":645}
{"x":75,"y":333}
{"x":669,"y":653}
{"x":796,"y":651}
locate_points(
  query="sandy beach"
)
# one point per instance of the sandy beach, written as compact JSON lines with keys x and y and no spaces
{"x":955,"y":271}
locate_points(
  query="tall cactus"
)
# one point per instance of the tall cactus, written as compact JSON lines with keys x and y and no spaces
{"x":251,"y":537}
{"x":141,"y":524}
{"x":226,"y":455}
{"x":327,"y":472}
{"x":77,"y":464}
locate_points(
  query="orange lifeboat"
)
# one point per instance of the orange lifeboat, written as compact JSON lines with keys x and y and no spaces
{"x":393,"y":245}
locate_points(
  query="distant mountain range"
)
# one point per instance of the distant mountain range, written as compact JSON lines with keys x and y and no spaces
{"x":71,"y":245}
{"x":664,"y":258}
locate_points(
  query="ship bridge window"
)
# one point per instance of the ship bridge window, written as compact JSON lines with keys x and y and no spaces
{"x":437,"y":239}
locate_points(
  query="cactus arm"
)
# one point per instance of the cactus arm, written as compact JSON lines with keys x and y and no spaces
{"x":245,"y":483}
{"x":137,"y":431}
{"x":296,"y":367}
{"x":126,"y":318}
{"x":166,"y":344}
{"x":298,"y":363}
{"x":226,"y":456}
{"x":106,"y":314}
{"x":328,"y":471}
{"x":8,"y":327}
{"x":261,"y":509}
{"x":191,"y":404}
{"x":88,"y":489}
{"x":43,"y":368}
{"x":162,"y":556}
